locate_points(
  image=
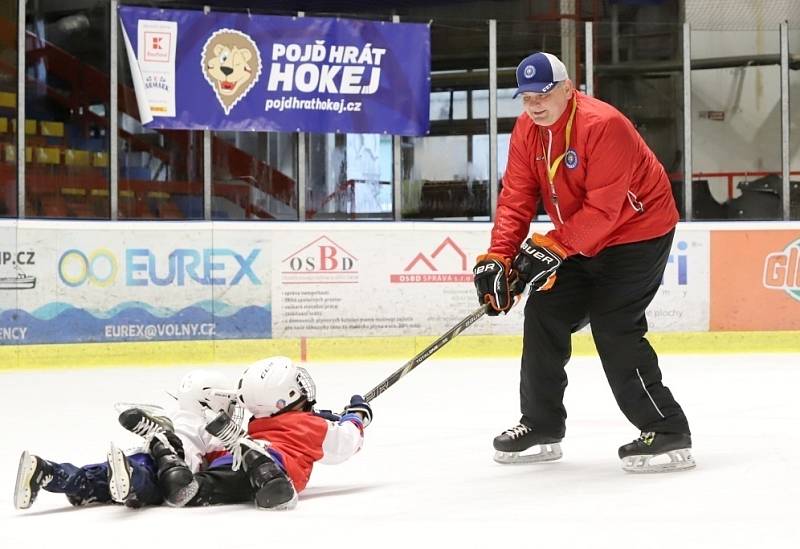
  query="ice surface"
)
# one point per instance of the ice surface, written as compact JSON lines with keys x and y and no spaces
{"x":426,"y":476}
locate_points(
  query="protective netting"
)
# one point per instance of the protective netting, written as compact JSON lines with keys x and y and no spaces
{"x":742,"y":14}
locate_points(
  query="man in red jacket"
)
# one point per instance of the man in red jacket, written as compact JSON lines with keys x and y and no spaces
{"x":614,"y":215}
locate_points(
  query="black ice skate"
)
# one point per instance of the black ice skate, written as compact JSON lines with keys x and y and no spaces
{"x":33,"y":473}
{"x":175,"y":479}
{"x":657,"y":453}
{"x":273,"y":489}
{"x":510,"y":444}
{"x":143,"y":423}
{"x":119,"y":477}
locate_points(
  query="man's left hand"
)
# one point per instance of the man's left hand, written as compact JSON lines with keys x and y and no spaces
{"x":537,"y":261}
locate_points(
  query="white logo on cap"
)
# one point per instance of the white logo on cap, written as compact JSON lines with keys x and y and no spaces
{"x":529,"y":71}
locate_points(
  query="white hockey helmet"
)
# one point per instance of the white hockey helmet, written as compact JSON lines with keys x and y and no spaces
{"x":202,"y":391}
{"x":275,"y":384}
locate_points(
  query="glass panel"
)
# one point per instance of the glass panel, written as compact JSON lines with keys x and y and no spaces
{"x":254,"y":176}
{"x":349,"y":176}
{"x":8,"y":109}
{"x":66,"y":101}
{"x":160,"y":171}
{"x":794,"y":121}
{"x":737,"y":134}
{"x":639,"y":70}
{"x":445,"y":175}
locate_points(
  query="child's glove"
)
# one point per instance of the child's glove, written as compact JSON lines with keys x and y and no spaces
{"x":361,"y":407}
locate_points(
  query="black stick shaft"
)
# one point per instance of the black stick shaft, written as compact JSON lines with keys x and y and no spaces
{"x":427,"y":352}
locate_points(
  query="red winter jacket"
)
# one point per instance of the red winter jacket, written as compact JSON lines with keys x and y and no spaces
{"x":611,"y":190}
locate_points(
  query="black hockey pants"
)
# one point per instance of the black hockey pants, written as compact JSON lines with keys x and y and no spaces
{"x":611,"y":291}
{"x":222,"y":485}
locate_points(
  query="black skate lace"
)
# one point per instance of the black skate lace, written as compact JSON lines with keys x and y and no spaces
{"x":518,"y":431}
{"x":147,"y":427}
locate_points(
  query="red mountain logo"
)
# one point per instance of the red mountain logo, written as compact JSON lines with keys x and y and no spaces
{"x":426,"y":268}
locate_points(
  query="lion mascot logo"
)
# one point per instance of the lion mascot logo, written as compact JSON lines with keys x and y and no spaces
{"x":231,"y":64}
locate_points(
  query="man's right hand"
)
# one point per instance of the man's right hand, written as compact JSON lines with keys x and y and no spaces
{"x":491,"y":277}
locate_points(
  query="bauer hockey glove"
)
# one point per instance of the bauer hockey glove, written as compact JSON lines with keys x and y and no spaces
{"x":537,"y":261}
{"x":492,"y":280}
{"x":360,"y":407}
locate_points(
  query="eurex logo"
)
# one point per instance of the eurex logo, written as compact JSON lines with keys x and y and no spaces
{"x":321,"y":261}
{"x":98,"y":268}
{"x":423,"y":268}
{"x":782,"y":270}
{"x":144,"y":267}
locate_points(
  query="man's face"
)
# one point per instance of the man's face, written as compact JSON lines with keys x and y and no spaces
{"x":545,"y":108}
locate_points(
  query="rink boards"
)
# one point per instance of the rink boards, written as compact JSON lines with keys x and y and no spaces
{"x":199,"y":291}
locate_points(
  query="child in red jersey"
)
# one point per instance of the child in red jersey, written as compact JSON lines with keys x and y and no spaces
{"x":272,"y":462}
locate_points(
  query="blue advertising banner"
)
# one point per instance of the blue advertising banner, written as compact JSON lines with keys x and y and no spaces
{"x":241,"y":72}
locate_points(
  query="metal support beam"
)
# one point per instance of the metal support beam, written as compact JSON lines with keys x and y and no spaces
{"x":301,"y":175}
{"x":493,"y":180}
{"x":397,"y":167}
{"x":687,"y":121}
{"x":21,"y":109}
{"x":785,"y":154}
{"x":568,"y":37}
{"x":113,"y":114}
{"x":302,"y":172}
{"x":589,"y":57}
{"x":614,"y":33}
{"x":207,"y":175}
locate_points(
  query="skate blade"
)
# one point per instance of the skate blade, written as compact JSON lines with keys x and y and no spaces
{"x":542,"y":453}
{"x":119,"y":476}
{"x":184,"y":495}
{"x":674,"y":460}
{"x":22,"y":489}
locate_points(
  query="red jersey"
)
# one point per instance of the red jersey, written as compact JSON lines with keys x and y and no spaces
{"x":608,"y":189}
{"x":303,"y":438}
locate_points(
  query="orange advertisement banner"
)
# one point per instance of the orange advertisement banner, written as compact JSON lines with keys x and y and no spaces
{"x":755,"y":280}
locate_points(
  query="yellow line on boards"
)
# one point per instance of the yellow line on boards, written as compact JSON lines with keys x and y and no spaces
{"x":182,"y":353}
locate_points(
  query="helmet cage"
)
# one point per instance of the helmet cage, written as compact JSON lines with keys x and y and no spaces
{"x":306,"y":384}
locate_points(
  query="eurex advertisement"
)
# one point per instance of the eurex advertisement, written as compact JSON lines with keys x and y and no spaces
{"x":109,"y":282}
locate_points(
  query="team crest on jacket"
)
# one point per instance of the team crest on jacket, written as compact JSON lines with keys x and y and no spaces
{"x":571,"y":158}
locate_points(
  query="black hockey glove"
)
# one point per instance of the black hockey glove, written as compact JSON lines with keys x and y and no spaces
{"x":361,"y":407}
{"x":491,"y":278}
{"x":537,"y":261}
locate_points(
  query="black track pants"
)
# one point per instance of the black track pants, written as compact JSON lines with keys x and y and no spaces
{"x":611,"y":291}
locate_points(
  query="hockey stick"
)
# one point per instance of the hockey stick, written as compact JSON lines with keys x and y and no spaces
{"x":469,"y":320}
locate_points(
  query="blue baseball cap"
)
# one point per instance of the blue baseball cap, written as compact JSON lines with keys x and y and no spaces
{"x":539,"y":72}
